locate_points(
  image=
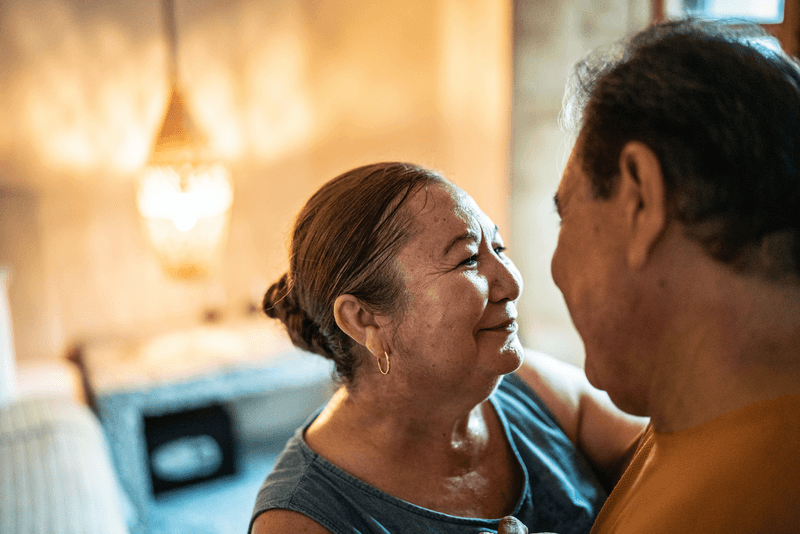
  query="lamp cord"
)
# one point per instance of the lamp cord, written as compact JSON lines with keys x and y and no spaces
{"x":170,"y":33}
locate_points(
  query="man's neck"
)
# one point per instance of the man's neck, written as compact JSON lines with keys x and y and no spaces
{"x":712,"y":395}
{"x":737,"y":344}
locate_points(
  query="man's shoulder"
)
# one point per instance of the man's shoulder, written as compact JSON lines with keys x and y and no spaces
{"x":737,"y":474}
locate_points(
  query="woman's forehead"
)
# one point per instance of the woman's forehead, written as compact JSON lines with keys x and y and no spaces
{"x":442,"y":209}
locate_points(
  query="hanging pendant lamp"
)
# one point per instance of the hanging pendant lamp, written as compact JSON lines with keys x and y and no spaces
{"x":184,"y":195}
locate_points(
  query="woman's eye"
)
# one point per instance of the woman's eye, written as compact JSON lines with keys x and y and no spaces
{"x":472,"y":260}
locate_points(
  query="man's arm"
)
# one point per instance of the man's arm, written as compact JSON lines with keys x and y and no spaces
{"x":604,"y":433}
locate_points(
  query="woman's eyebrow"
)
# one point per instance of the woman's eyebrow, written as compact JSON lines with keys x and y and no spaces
{"x":469,"y":235}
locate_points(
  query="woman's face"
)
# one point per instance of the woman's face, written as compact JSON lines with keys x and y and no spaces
{"x":459,"y":327}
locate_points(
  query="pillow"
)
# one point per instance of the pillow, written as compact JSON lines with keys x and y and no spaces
{"x":55,"y":471}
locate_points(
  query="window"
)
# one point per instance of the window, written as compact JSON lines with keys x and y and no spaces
{"x":761,"y":11}
{"x":779,"y":17}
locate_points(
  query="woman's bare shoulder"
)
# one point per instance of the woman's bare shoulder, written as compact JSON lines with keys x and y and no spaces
{"x":280,"y":521}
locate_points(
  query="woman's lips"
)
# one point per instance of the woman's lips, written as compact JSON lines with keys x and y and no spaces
{"x":506,"y":326}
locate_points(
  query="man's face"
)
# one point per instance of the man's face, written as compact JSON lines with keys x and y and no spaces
{"x":589,"y":267}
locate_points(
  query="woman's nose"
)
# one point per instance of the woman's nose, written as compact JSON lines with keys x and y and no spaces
{"x":506,"y":281}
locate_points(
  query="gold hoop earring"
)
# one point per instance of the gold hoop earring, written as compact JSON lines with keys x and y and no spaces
{"x":388,"y":364}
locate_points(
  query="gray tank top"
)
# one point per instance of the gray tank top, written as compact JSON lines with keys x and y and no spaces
{"x":561,"y":493}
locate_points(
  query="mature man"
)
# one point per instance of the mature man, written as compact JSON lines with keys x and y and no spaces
{"x":679,"y":260}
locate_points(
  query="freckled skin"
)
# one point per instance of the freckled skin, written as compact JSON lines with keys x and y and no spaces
{"x":454,"y":297}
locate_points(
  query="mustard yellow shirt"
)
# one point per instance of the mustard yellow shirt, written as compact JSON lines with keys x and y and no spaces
{"x":739,"y":473}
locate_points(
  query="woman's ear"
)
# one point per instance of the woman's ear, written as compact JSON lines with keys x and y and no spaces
{"x":358,"y":322}
{"x":642,"y":187}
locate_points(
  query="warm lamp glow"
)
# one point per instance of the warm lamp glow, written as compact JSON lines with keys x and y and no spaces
{"x":184,"y":198}
{"x":185,"y":210}
{"x":185,"y":194}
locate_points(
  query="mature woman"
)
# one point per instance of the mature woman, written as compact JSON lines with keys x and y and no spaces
{"x":399,"y":278}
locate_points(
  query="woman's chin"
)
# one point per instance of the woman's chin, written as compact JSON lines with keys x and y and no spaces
{"x":511,"y":356}
{"x":519,"y":354}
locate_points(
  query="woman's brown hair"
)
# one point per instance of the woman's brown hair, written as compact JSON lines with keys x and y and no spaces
{"x":345,"y":240}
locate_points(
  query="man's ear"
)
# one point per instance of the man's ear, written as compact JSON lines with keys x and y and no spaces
{"x":358,"y":322}
{"x":642,"y":190}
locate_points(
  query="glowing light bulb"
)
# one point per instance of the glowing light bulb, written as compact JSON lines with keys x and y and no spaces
{"x":184,"y":212}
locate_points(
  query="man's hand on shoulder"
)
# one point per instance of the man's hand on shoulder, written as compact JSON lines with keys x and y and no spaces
{"x":512,"y":525}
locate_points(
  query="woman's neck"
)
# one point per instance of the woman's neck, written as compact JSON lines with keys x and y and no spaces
{"x":403,"y":427}
{"x":441,"y":460}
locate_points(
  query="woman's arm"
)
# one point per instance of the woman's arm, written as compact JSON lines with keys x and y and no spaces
{"x":604,"y":433}
{"x":279,"y":521}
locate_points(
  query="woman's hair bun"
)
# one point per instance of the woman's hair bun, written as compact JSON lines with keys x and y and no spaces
{"x":276,"y":297}
{"x":280,"y":303}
